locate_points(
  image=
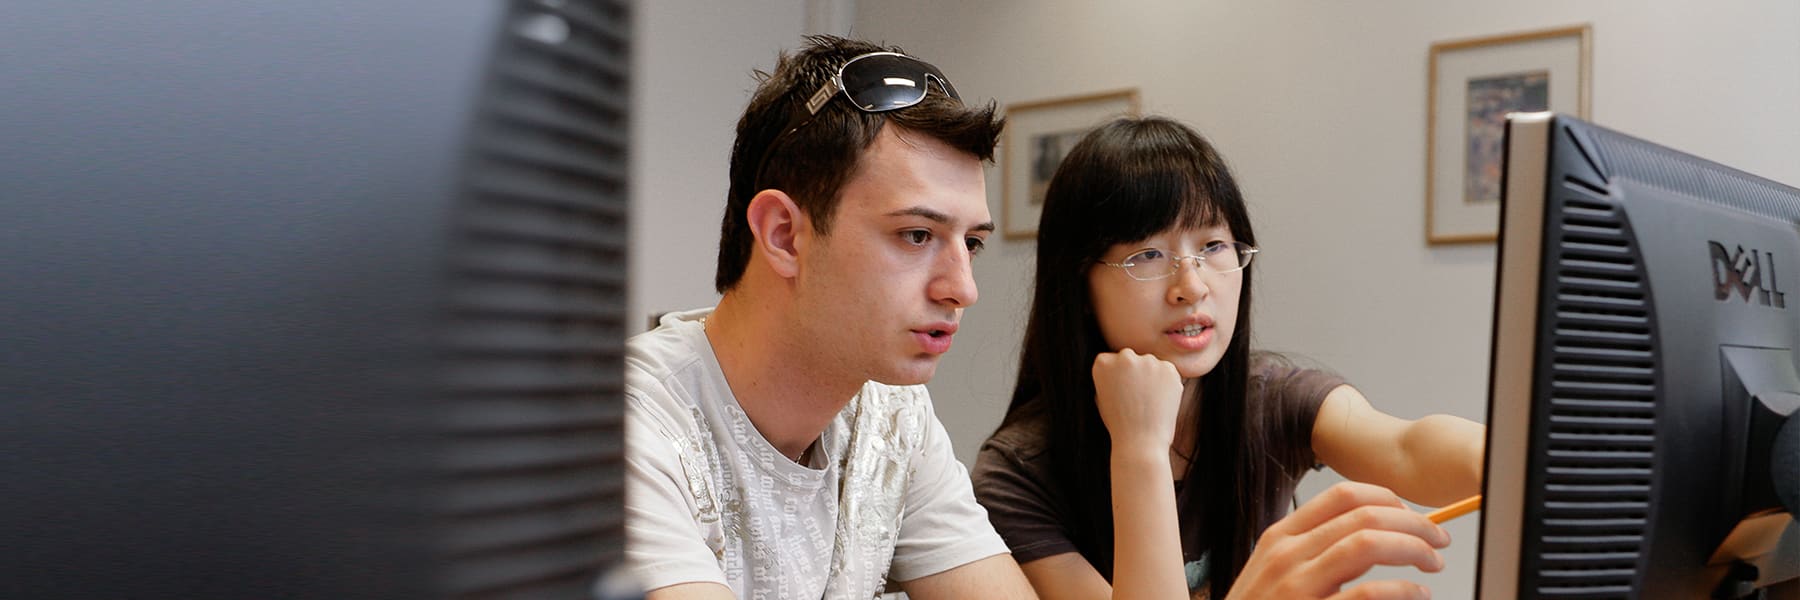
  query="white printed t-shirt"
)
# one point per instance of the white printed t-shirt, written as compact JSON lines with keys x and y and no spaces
{"x":707,"y":498}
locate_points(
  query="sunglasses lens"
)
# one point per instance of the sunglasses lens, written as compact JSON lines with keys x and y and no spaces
{"x":880,"y":82}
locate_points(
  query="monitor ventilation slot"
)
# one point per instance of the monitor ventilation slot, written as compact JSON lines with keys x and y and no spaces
{"x":536,"y":326}
{"x":1601,"y":414}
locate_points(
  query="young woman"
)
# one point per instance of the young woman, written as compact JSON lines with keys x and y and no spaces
{"x":1147,"y":448}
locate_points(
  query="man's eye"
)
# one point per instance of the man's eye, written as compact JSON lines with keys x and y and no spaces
{"x":975,"y":245}
{"x":916,"y":237}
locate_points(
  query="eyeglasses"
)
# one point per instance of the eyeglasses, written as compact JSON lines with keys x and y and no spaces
{"x":1153,"y":263}
{"x":874,"y":82}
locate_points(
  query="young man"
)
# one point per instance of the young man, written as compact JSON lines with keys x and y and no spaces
{"x":782,"y":445}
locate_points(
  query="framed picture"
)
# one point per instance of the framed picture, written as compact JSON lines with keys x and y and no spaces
{"x":1038,"y":135}
{"x":1474,"y":83}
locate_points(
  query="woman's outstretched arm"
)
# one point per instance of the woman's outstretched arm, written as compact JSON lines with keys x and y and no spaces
{"x":1433,"y":461}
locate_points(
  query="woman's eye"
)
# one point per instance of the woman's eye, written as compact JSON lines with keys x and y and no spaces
{"x":1145,"y":256}
{"x":1215,"y":248}
{"x":916,"y":237}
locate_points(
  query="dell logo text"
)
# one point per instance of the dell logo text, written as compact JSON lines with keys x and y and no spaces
{"x":1745,"y":272}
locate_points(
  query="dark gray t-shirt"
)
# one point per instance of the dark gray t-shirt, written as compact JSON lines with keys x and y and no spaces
{"x":1013,"y":479}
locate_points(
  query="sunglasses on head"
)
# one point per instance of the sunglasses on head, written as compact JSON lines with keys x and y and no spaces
{"x":874,"y":82}
{"x":881,"y":81}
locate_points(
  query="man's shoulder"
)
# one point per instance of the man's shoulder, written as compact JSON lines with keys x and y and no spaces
{"x":665,"y":348}
{"x":656,"y":358}
{"x":665,"y":377}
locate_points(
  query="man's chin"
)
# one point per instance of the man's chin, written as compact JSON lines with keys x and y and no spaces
{"x":917,"y":372}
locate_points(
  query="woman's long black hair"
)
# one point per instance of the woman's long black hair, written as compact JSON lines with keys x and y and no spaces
{"x":1126,"y":181}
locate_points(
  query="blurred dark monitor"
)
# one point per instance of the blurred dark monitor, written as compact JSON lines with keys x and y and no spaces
{"x":1641,"y":432}
{"x":315,"y":299}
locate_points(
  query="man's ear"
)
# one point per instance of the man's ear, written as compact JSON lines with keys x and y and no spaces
{"x":777,"y":224}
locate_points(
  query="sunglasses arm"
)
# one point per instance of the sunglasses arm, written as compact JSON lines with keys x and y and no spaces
{"x":819,"y":98}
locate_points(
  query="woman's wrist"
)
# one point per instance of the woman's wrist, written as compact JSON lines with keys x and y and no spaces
{"x":1140,"y":454}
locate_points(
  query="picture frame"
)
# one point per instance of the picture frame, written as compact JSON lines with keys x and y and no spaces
{"x":1038,"y":134}
{"x":1473,"y":84}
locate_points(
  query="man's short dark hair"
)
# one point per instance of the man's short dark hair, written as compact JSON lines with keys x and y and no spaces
{"x":812,"y":163}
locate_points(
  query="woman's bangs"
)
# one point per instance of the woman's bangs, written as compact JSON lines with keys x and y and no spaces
{"x":1149,"y":203}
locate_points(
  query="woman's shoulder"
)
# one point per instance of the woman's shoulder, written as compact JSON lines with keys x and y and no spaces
{"x":1023,"y":438}
{"x":1266,"y":363}
{"x":1275,"y":369}
{"x":1013,"y":478}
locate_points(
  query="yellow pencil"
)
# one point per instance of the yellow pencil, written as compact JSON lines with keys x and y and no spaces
{"x":1460,"y":508}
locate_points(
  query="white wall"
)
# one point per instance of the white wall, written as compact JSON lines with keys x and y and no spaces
{"x":693,"y":61}
{"x":1320,"y":108}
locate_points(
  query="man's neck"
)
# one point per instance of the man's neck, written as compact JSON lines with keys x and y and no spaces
{"x":777,"y":380}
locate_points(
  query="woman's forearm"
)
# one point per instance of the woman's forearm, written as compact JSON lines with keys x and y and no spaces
{"x":1146,"y":530}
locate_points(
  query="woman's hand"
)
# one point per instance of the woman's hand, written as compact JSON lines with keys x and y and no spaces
{"x":1335,"y":538}
{"x":1139,"y":396}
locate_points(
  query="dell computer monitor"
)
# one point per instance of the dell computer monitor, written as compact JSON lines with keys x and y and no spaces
{"x":1640,"y":434}
{"x":311,"y":299}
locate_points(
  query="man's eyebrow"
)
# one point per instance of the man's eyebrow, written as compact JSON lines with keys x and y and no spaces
{"x":920,"y":211}
{"x":936,"y":216}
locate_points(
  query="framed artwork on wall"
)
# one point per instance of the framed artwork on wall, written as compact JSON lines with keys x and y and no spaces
{"x":1038,"y":134}
{"x":1474,"y":83}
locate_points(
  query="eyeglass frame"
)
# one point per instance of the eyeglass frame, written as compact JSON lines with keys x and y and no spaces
{"x":1244,"y":250}
{"x":834,"y":87}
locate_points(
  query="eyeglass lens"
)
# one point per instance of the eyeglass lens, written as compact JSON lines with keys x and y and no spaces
{"x":1219,"y":258}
